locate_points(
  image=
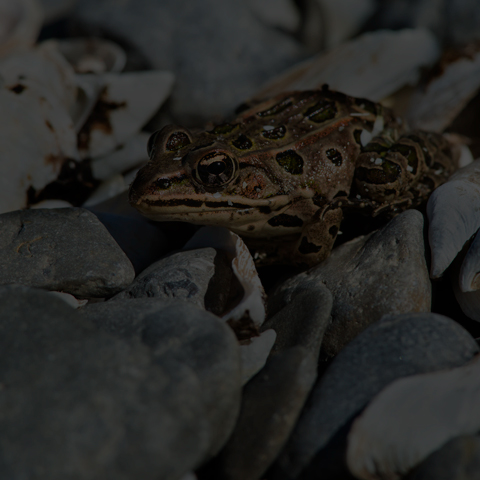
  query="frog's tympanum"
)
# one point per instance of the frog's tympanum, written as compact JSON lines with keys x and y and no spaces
{"x":283,"y":170}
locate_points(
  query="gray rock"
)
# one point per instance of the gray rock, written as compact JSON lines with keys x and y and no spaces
{"x":192,"y":337}
{"x":382,"y":273}
{"x":394,"y":347}
{"x":272,"y":400}
{"x":458,"y":459}
{"x":143,"y":242}
{"x":64,"y":249}
{"x":218,"y":64}
{"x":81,"y":404}
{"x":183,"y":275}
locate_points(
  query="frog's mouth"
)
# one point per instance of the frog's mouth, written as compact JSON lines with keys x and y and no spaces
{"x":207,"y":209}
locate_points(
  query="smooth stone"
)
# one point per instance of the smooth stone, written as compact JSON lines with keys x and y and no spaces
{"x":82,"y":404}
{"x":394,"y":347}
{"x":273,"y":399}
{"x":143,"y":242}
{"x":254,"y":354}
{"x":214,"y":71}
{"x":458,"y":459}
{"x":382,"y":273}
{"x":65,"y":249}
{"x":194,"y":338}
{"x":183,"y":275}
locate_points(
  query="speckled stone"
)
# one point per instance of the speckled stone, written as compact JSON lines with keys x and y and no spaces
{"x":65,"y":249}
{"x":194,"y":338}
{"x":183,"y":275}
{"x":82,"y":404}
{"x":458,"y":459}
{"x":382,"y":273}
{"x":394,"y":347}
{"x":272,"y":400}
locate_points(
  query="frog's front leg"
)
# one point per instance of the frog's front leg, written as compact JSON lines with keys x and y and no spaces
{"x":317,"y":237}
{"x":402,"y":174}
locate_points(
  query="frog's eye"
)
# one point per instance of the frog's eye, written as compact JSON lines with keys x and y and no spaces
{"x":215,"y":169}
{"x":169,"y":139}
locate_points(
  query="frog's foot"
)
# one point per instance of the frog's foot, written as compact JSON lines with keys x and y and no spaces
{"x":403,"y":173}
{"x":317,"y":239}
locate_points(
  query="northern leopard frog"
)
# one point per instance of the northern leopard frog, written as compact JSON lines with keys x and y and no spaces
{"x":281,"y":172}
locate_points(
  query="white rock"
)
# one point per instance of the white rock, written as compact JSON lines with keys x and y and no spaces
{"x":127,"y":103}
{"x":254,"y":355}
{"x":344,"y":18}
{"x":253,"y":300}
{"x":373,"y":65}
{"x":452,"y":210}
{"x":411,"y":418}
{"x":69,"y":299}
{"x":106,"y":190}
{"x":20,"y":23}
{"x":93,"y":55}
{"x":125,"y":157}
{"x":435,"y":106}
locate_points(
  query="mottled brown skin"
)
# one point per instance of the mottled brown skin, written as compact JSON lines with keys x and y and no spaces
{"x":281,"y":172}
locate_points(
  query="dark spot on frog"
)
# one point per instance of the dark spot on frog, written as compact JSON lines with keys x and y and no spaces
{"x":388,"y":173}
{"x":306,"y":247}
{"x":265,"y":210}
{"x":242,"y":142}
{"x":284,"y":220}
{"x":320,"y":200}
{"x":291,"y":161}
{"x":410,"y":153}
{"x":250,"y":228}
{"x":276,"y":109}
{"x":242,"y":108}
{"x":334,"y":156}
{"x":322,"y":111}
{"x":99,"y":119}
{"x":333,"y":230}
{"x":366,"y":105}
{"x":49,"y":126}
{"x":225,"y":204}
{"x":275,"y":133}
{"x":176,"y":141}
{"x":18,"y":88}
{"x":376,"y":147}
{"x":175,"y":202}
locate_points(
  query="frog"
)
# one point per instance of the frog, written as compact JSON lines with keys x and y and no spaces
{"x":283,"y":170}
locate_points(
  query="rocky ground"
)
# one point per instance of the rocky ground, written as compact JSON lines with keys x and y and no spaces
{"x":135,"y":350}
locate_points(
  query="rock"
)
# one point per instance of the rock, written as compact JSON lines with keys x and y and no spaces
{"x":81,"y":404}
{"x":64,"y":249}
{"x":272,"y":400}
{"x":381,"y":273}
{"x":143,"y":242}
{"x":183,"y":275}
{"x":254,"y":354}
{"x":215,"y":71}
{"x":394,"y":347}
{"x":196,"y":339}
{"x":436,"y":407}
{"x":459,"y":459}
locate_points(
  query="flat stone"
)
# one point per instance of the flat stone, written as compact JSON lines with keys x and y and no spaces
{"x":273,"y":399}
{"x":65,"y":249}
{"x":382,"y":273}
{"x":194,"y":338}
{"x":394,"y":347}
{"x":183,"y":275}
{"x":214,"y":72}
{"x":458,"y":459}
{"x":82,"y":404}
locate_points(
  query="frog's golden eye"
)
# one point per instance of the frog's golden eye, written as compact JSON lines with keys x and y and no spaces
{"x":169,"y":139}
{"x":215,"y":169}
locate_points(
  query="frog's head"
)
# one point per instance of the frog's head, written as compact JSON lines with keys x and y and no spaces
{"x":199,"y":178}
